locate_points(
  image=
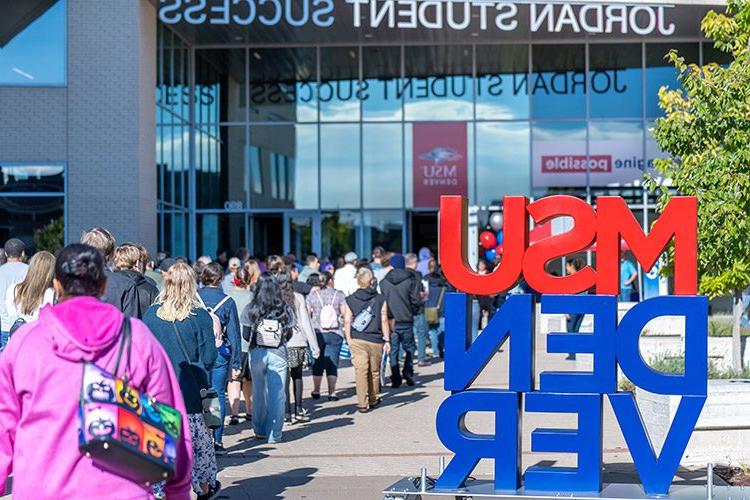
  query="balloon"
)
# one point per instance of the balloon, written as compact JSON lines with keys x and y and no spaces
{"x":490,"y":255}
{"x":487,"y":239}
{"x":500,"y":237}
{"x":499,"y":250}
{"x":496,"y":221}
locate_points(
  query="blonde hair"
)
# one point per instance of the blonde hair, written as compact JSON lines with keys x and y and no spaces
{"x":178,"y":297}
{"x":29,"y":294}
{"x":128,"y":256}
{"x":364,"y":277}
{"x":252,"y":272}
{"x":101,"y":239}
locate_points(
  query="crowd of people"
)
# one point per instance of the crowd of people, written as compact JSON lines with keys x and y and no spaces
{"x":234,"y":329}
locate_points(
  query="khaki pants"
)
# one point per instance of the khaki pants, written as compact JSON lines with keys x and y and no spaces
{"x":366,"y":357}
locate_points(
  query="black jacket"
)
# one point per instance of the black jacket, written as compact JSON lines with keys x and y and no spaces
{"x":121,"y":293}
{"x":143,"y":293}
{"x":360,"y":300}
{"x":439,"y":287}
{"x":401,"y":290}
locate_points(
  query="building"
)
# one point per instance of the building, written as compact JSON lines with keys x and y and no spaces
{"x":322,"y":125}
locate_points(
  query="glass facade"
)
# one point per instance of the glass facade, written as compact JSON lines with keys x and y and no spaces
{"x":33,"y":44}
{"x":332,"y":148}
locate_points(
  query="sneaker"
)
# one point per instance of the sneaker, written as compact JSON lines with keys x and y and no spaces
{"x":213,"y":492}
{"x":219,"y":450}
{"x":409,"y":381}
{"x":571,"y":357}
{"x":333,"y":397}
{"x":375,"y":404}
{"x":315,"y":395}
{"x":234,"y":420}
{"x":303,"y":415}
{"x":423,"y":363}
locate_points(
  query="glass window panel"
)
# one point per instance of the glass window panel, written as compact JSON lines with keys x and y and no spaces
{"x":339,"y":84}
{"x":284,"y":166}
{"x":221,"y":170}
{"x":558,"y":81}
{"x":713,"y":55}
{"x":438,"y":84}
{"x":385,"y":229}
{"x":382,"y":165}
{"x":502,"y":160}
{"x":339,"y":166}
{"x":268,"y":235}
{"x":220,"y":86}
{"x":220,"y":233}
{"x":174,"y":231}
{"x":615,"y":80}
{"x":558,"y":157}
{"x":502,"y":81}
{"x":339,"y":233}
{"x":33,"y":45}
{"x":30,"y":178}
{"x":301,"y":235}
{"x":283,"y":85}
{"x":381,"y":99}
{"x":21,"y":217}
{"x":618,"y":147}
{"x":660,"y":72}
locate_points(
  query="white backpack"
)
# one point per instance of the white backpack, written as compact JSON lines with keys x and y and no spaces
{"x":329,"y":318}
{"x":218,"y":329}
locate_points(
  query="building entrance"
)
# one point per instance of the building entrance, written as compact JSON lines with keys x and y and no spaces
{"x":424,"y":231}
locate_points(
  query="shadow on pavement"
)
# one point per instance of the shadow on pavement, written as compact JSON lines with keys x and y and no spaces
{"x":269,"y":487}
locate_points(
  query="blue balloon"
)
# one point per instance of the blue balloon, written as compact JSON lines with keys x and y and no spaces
{"x":500,"y":237}
{"x":489,"y":254}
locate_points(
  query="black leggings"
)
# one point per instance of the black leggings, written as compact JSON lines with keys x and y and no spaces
{"x":296,"y":378}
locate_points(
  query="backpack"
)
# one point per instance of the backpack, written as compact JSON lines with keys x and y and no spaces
{"x":329,"y":318}
{"x":218,"y":329}
{"x":269,"y":334}
{"x":16,"y":325}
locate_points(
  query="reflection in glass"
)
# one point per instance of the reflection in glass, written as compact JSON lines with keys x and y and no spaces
{"x":221,"y":173}
{"x":300,"y":236}
{"x":33,"y":44}
{"x":173,"y":233}
{"x":220,"y":232}
{"x":622,"y":142}
{"x":502,"y":81}
{"x":29,"y":178}
{"x":502,"y":160}
{"x":382,"y":165}
{"x":268,"y":235}
{"x":438,"y":84}
{"x":173,"y":164}
{"x":283,"y":85}
{"x":558,"y":81}
{"x":660,"y":72}
{"x":339,"y":233}
{"x":284,"y":166}
{"x":339,"y":166}
{"x":385,"y":229}
{"x":381,"y":96}
{"x":558,"y":156}
{"x":615,"y":80}
{"x":220,"y":86}
{"x":339,"y":84}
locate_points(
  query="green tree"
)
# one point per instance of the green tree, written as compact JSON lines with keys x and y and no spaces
{"x":706,"y":131}
{"x":50,"y":237}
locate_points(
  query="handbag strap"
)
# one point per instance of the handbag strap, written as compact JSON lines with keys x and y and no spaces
{"x":440,"y":297}
{"x":125,"y":341}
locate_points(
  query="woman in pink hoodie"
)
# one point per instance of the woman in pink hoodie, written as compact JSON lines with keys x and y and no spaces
{"x":40,"y":383}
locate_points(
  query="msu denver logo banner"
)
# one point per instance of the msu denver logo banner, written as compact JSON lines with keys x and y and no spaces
{"x":611,"y":344}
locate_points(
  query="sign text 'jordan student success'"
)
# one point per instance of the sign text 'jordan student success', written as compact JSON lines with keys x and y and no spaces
{"x":611,"y":344}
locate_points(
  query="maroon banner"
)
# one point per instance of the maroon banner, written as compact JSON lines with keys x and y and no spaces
{"x":439,"y":161}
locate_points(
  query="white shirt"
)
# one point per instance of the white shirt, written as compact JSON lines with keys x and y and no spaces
{"x":11,"y":306}
{"x":11,"y":274}
{"x":344,"y":279}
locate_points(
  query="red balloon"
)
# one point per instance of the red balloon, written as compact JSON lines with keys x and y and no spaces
{"x":487,"y":239}
{"x":499,"y":250}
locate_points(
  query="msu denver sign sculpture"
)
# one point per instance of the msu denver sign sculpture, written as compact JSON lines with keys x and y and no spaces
{"x":611,"y":344}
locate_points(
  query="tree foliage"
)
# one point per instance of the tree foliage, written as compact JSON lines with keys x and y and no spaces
{"x":706,"y":132}
{"x":50,"y":237}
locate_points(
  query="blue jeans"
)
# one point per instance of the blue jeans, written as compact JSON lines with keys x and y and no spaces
{"x":330,"y":349}
{"x":4,"y":338}
{"x":625,"y":294}
{"x":268,"y":369}
{"x":421,"y":331}
{"x":219,"y":377}
{"x":436,"y":331}
{"x":403,"y":336}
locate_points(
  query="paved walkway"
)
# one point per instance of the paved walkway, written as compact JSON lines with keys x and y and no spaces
{"x":341,"y":454}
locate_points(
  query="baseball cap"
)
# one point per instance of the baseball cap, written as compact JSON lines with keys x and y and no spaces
{"x":234,"y":262}
{"x":350,"y":257}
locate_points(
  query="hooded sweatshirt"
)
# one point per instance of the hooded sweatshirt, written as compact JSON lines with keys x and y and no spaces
{"x":401,"y":291}
{"x":423,"y":266}
{"x":41,"y":375}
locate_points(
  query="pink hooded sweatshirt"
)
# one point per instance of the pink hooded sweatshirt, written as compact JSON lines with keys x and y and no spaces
{"x":40,"y":383}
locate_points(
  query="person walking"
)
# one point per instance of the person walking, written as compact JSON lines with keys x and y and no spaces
{"x":303,"y":341}
{"x":243,"y":296}
{"x":402,"y":296}
{"x":343,"y":278}
{"x":421,"y":329}
{"x":222,"y":307}
{"x":267,"y":324}
{"x":185,"y":331}
{"x":628,"y":279}
{"x":312,"y":266}
{"x":41,"y":375}
{"x":229,"y":282}
{"x":11,"y":273}
{"x":24,"y":301}
{"x":425,"y":256}
{"x":128,"y":261}
{"x":435,"y":307}
{"x":573,"y":321}
{"x":327,"y":307}
{"x":368,"y":333}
